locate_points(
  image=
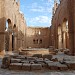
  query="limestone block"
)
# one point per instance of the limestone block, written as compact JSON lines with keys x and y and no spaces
{"x":31,"y":58}
{"x":31,"y":62}
{"x":15,"y":66}
{"x":37,"y":55}
{"x":14,"y":56}
{"x":20,"y":57}
{"x":25,"y":61}
{"x":22,"y":53}
{"x":70,"y":64}
{"x":52,"y":66}
{"x":36,"y":66}
{"x":43,"y":64}
{"x":54,"y":59}
{"x":5,"y":62}
{"x":62,"y":67}
{"x":53,"y":53}
{"x":47,"y":61}
{"x":66,"y":51}
{"x":39,"y":60}
{"x":15,"y":60}
{"x":48,"y":56}
{"x":26,"y":66}
{"x":56,"y":50}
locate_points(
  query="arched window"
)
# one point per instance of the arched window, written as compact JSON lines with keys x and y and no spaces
{"x":40,"y":41}
{"x":34,"y":41}
{"x":37,"y":41}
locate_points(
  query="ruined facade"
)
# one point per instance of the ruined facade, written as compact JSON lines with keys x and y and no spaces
{"x":38,"y":37}
{"x":63,"y":25}
{"x":11,"y":17}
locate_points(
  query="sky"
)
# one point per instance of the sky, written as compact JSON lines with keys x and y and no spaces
{"x":37,"y":12}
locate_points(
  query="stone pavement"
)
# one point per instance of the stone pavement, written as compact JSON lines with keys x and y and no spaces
{"x":11,"y":72}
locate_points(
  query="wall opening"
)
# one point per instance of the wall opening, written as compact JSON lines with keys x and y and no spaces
{"x":65,"y":34}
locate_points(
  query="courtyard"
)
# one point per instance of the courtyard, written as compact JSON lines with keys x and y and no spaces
{"x":37,"y":72}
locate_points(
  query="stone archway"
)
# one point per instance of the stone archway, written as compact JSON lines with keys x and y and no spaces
{"x":8,"y":36}
{"x":65,"y":35}
{"x":14,"y":38}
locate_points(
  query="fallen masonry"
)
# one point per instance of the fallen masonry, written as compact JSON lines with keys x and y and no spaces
{"x":31,"y":63}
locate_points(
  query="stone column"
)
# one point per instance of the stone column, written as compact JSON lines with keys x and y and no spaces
{"x":59,"y":41}
{"x":64,"y":39}
{"x":15,"y":41}
{"x":10,"y":41}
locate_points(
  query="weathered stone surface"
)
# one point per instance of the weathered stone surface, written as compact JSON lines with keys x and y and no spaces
{"x":36,"y":66}
{"x":70,"y":64}
{"x":39,"y":60}
{"x":15,"y":66}
{"x":48,"y":56}
{"x":62,"y":67}
{"x":20,"y":57}
{"x":37,"y":55}
{"x":26,"y":66}
{"x":6,"y":62}
{"x":22,"y":53}
{"x":52,"y":66}
{"x":54,"y":59}
{"x":24,"y":61}
{"x":31,"y":58}
{"x":15,"y":60}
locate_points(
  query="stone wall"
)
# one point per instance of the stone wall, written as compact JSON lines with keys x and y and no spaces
{"x":63,"y":17}
{"x":10,"y":14}
{"x":38,"y":37}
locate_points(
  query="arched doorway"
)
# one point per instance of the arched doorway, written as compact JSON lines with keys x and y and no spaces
{"x":8,"y":36}
{"x":65,"y":35}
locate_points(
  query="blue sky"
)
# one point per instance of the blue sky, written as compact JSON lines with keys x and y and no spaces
{"x":37,"y":12}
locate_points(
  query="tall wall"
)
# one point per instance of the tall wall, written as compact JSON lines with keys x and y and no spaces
{"x":10,"y":13}
{"x":38,"y":37}
{"x":64,"y":13}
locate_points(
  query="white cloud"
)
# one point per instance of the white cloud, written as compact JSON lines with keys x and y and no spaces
{"x":40,"y":19}
{"x":47,"y":7}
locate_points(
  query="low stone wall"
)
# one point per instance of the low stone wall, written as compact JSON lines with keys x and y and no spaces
{"x":36,"y":51}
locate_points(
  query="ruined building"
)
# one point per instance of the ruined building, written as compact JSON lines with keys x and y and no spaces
{"x":63,"y":25}
{"x":38,"y":37}
{"x":12,"y":26}
{"x":14,"y":34}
